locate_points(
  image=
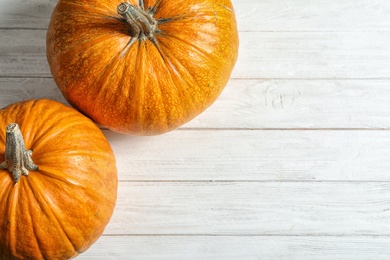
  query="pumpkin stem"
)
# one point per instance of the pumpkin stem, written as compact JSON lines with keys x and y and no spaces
{"x":141,"y":23}
{"x":18,"y":159}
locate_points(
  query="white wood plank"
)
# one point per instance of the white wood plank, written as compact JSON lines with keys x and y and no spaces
{"x":264,"y":104}
{"x":254,"y":156}
{"x":241,"y":247}
{"x":262,"y":55}
{"x":202,"y":192}
{"x":318,"y":15}
{"x":252,"y":208}
{"x":34,"y":14}
{"x":23,"y":53}
{"x":17,"y":89}
{"x":252,"y":15}
{"x":313,"y":55}
{"x":272,"y":104}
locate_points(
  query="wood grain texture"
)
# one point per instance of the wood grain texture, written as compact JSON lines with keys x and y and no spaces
{"x":291,"y":162}
{"x":239,"y":247}
{"x":314,"y":55}
{"x":17,"y":89}
{"x":252,"y":208}
{"x":277,"y":15}
{"x":27,"y":14}
{"x":318,"y":16}
{"x":262,"y":55}
{"x":263,"y":104}
{"x":231,"y":155}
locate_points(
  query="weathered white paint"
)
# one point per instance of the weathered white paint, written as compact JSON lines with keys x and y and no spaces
{"x":252,"y":208}
{"x":252,"y":15}
{"x":263,"y":104}
{"x":29,"y":14}
{"x":239,"y":247}
{"x":291,"y":162}
{"x":248,"y":155}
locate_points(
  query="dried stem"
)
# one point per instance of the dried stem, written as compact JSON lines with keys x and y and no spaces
{"x":18,"y":159}
{"x":141,"y":23}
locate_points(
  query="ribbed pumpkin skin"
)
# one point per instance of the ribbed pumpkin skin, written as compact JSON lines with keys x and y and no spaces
{"x":146,"y":88}
{"x":61,"y":209}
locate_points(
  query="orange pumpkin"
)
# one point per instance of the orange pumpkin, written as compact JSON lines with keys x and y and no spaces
{"x":142,"y":67}
{"x":62,"y":190}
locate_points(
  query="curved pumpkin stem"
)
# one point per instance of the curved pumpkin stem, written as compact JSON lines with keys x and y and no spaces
{"x":18,"y":159}
{"x":141,"y":23}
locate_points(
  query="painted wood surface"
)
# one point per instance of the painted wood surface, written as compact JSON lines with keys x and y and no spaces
{"x":291,"y":162}
{"x":253,"y":15}
{"x":240,"y":247}
{"x":252,"y":208}
{"x":264,"y":103}
{"x":253,"y":155}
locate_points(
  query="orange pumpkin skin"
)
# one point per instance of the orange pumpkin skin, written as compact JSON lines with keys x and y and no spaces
{"x":153,"y":84}
{"x":59,"y":210}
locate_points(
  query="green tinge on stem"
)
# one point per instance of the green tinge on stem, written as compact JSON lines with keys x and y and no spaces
{"x":141,"y":23}
{"x":18,"y":159}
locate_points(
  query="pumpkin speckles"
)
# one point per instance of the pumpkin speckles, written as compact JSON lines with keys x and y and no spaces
{"x":147,"y":69}
{"x":49,"y":212}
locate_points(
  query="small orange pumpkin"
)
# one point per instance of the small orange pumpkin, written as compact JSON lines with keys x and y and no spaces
{"x":62,"y":205}
{"x":142,"y":67}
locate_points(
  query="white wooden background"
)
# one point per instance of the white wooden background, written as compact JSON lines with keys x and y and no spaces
{"x":291,"y":162}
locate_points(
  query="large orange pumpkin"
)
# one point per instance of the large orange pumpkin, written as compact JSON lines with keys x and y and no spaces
{"x":142,"y":67}
{"x":62,"y":205}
